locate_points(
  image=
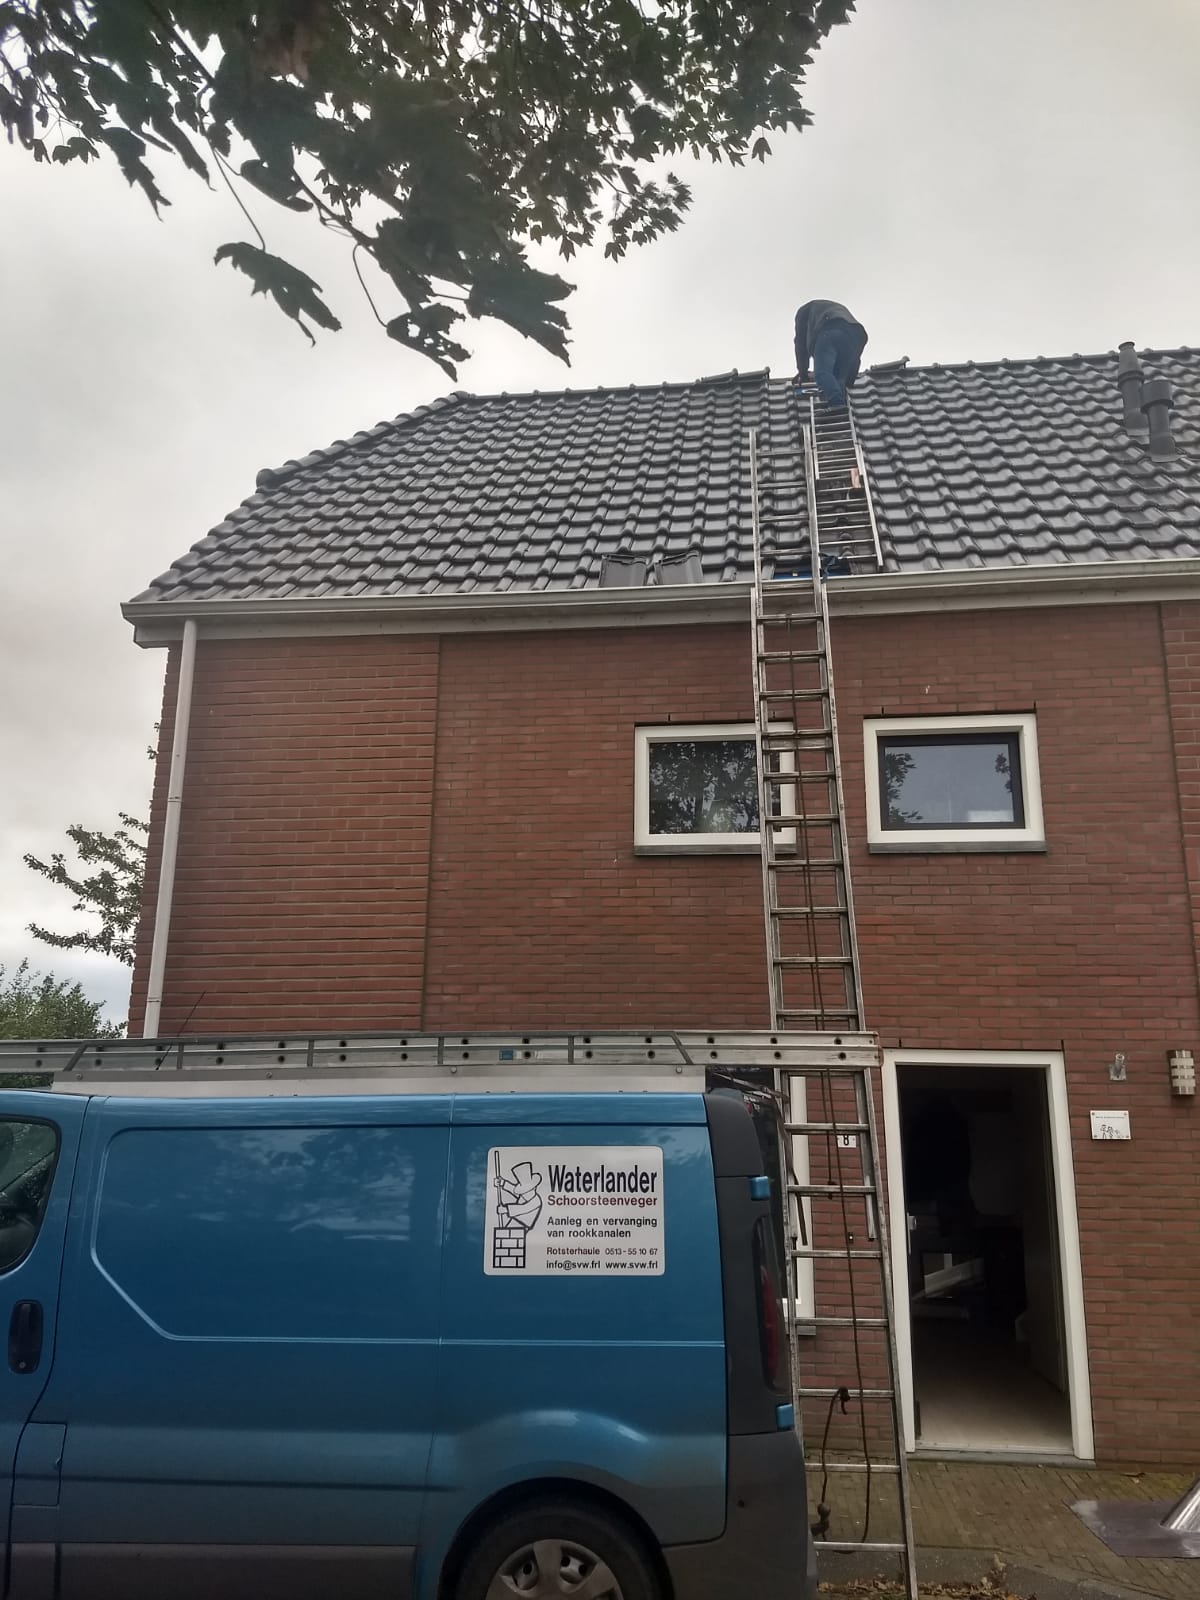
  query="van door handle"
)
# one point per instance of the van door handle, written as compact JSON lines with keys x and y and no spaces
{"x":25,"y":1336}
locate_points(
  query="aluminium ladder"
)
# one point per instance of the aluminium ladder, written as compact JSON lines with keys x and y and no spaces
{"x":812,"y":518}
{"x":411,"y":1063}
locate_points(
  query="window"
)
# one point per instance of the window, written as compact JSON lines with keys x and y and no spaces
{"x":28,"y":1155}
{"x":696,"y":788}
{"x":960,"y":783}
{"x":292,"y":1232}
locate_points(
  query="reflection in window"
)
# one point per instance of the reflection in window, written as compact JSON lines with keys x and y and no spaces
{"x":970,"y":780}
{"x":703,"y":786}
{"x":28,"y":1155}
{"x":275,"y":1232}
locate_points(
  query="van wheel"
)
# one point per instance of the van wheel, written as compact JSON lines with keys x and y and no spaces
{"x":554,"y":1550}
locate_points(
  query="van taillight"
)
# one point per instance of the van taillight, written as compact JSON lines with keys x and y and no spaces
{"x":770,"y":1309}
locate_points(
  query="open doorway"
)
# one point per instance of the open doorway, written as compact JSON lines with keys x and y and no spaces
{"x":984,"y":1277}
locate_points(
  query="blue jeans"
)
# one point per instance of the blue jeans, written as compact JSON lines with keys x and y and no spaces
{"x":835,"y":360}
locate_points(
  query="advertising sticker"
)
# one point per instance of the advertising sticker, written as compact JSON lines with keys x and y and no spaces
{"x":574,"y":1208}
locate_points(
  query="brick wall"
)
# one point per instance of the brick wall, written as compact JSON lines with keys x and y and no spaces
{"x":540,"y":913}
{"x":302,"y":880}
{"x":1088,"y":947}
{"x":393,"y":832}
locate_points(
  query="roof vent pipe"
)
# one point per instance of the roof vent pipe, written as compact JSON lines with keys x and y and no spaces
{"x":1129,"y":381}
{"x":1157,"y":403}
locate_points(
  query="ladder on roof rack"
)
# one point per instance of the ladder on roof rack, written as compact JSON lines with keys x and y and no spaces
{"x":836,"y":1208}
{"x":407,"y":1063}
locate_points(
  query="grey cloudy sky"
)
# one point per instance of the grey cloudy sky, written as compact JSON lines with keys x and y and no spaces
{"x":984,"y":178}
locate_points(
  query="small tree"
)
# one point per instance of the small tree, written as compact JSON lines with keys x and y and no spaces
{"x":113,"y":892}
{"x":35,"y":1005}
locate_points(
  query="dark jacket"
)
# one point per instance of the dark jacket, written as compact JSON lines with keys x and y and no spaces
{"x":810,"y":319}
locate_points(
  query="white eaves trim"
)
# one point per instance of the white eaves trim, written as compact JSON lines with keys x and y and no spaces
{"x":160,"y":622}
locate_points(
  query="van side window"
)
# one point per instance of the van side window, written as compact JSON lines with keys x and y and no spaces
{"x":28,"y":1156}
{"x":275,"y":1232}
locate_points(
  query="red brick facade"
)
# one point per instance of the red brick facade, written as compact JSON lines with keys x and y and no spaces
{"x":393,"y":831}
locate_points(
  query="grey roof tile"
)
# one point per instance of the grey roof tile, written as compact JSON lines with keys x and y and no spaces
{"x":988,"y":464}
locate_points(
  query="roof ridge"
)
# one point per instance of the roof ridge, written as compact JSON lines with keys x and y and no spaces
{"x":755,"y":374}
{"x":907,"y":368}
{"x":271,"y":477}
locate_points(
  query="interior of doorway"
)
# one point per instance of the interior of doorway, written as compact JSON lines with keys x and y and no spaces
{"x":984,"y":1268}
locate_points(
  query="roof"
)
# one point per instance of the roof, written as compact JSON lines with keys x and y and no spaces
{"x":1004,"y":464}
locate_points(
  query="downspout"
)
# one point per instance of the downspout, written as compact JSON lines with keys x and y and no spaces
{"x":170,"y":843}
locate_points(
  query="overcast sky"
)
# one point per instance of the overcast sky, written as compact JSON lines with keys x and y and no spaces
{"x":984,"y":178}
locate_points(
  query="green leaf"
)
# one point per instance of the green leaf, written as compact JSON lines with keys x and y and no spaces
{"x":424,"y":330}
{"x":281,"y":186}
{"x":293,"y":291}
{"x":129,"y":150}
{"x":76,"y":149}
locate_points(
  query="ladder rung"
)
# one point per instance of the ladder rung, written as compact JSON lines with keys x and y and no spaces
{"x":825,"y":1127}
{"x":858,"y":1466}
{"x":793,"y":694}
{"x":813,"y":863}
{"x":823,"y":1013}
{"x":819,"y":735}
{"x":812,"y":961}
{"x":815,"y":1189}
{"x":848,"y":1546}
{"x":854,"y":1394}
{"x":783,"y":779}
{"x":846,"y":1322}
{"x":808,"y":911}
{"x":812,"y":819}
{"x":807,"y":1252}
{"x":778,"y":656}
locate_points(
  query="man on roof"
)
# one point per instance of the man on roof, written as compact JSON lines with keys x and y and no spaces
{"x":830,"y":338}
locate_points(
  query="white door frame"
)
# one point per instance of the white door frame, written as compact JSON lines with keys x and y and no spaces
{"x":1052,"y":1063}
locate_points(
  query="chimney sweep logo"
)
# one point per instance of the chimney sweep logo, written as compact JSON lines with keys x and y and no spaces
{"x":518,"y":1207}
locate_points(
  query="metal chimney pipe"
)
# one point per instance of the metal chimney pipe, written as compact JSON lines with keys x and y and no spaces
{"x":1129,"y":381}
{"x":1157,"y":403}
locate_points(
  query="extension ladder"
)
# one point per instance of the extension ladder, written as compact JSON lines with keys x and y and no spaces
{"x":812,"y":518}
{"x":416,"y":1063}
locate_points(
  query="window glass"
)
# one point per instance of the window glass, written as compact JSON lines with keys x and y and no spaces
{"x":703,"y":786}
{"x":28,"y":1156}
{"x":274,"y":1232}
{"x":951,"y":781}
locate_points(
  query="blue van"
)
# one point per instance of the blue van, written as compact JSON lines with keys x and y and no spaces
{"x":448,"y":1347}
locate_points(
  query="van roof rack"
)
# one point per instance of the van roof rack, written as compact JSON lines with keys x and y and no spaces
{"x":410,"y":1063}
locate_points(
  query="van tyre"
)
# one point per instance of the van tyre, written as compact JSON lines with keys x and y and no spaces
{"x":555,"y":1550}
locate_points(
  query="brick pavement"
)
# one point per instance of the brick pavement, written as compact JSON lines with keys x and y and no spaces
{"x":1020,"y":1513}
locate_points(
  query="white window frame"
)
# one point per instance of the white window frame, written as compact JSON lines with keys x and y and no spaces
{"x":647,"y":843}
{"x":1032,"y":836}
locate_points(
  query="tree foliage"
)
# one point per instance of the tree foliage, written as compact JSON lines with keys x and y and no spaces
{"x":113,"y":892}
{"x":703,"y":786}
{"x":34,"y":1005}
{"x":437,"y":137}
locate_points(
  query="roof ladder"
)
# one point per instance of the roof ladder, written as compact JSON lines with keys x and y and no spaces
{"x":839,"y":1267}
{"x":841,"y":506}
